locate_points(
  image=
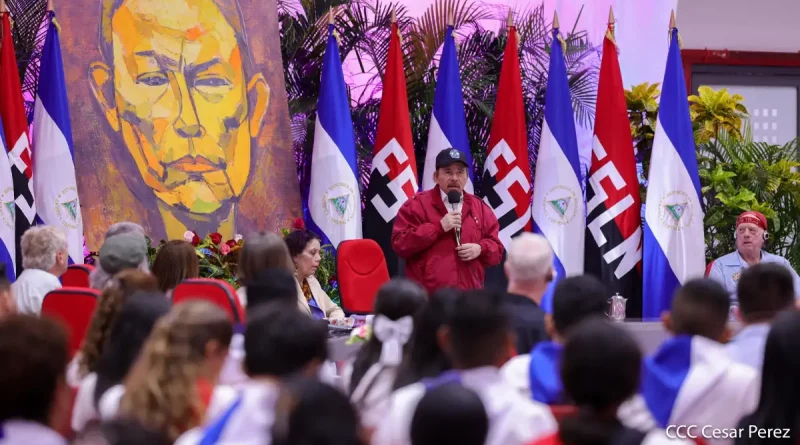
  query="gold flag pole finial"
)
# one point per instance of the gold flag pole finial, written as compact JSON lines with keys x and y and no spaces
{"x":672,"y":20}
{"x":3,"y":6}
{"x":672,"y":27}
{"x":394,"y":16}
{"x":50,"y":5}
{"x":331,"y":16}
{"x":611,"y":15}
{"x":611,"y":24}
{"x":555,"y":20}
{"x":451,"y":21}
{"x":556,"y":27}
{"x":510,"y":18}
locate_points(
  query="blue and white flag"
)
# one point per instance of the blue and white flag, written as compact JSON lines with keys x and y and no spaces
{"x":674,"y":247}
{"x":7,"y":208}
{"x":448,"y":121}
{"x":53,"y":153}
{"x":558,"y":205}
{"x":334,"y":200}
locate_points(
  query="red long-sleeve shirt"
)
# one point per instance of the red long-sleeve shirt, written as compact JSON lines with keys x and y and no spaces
{"x":430,"y":252}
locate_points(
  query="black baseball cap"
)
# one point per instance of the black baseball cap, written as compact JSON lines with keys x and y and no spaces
{"x":448,"y":156}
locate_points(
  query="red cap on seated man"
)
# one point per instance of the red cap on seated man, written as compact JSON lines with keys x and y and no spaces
{"x":751,"y":234}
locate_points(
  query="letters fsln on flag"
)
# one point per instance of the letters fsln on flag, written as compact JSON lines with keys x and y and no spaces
{"x":15,"y":126}
{"x":507,"y":171}
{"x":55,"y":185}
{"x":674,"y":245}
{"x":393,"y":179}
{"x":558,"y":207}
{"x":448,"y":120}
{"x":334,"y":199}
{"x":613,"y":204}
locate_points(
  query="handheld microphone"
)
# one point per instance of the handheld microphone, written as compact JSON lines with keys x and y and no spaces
{"x":454,"y":198}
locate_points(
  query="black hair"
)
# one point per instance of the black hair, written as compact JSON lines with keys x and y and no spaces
{"x":135,"y":321}
{"x":335,"y":420}
{"x":423,"y":357}
{"x":701,"y":307}
{"x":280,"y":341}
{"x":578,"y":298}
{"x":34,"y":353}
{"x":479,"y":329}
{"x":298,"y":239}
{"x":764,"y":290}
{"x":5,"y":283}
{"x":600,"y":369}
{"x":779,"y":404}
{"x":396,"y":299}
{"x":271,"y":285}
{"x":450,"y":413}
{"x":121,"y":431}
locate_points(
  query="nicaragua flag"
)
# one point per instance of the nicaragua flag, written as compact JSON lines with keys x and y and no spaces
{"x":53,"y":158}
{"x":448,"y":121}
{"x":7,"y":207}
{"x":558,"y":207}
{"x":334,"y":200}
{"x":674,"y":247}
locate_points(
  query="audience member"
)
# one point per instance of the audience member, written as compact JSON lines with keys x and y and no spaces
{"x":99,"y":276}
{"x":763,"y":290}
{"x":34,"y":395}
{"x":600,"y":368}
{"x":115,"y":294}
{"x":263,"y":250}
{"x":691,"y":380}
{"x":305,"y":251}
{"x":279,"y":343}
{"x":375,"y":367}
{"x":120,"y":431}
{"x":529,"y":268}
{"x":172,"y":384}
{"x":424,"y":358}
{"x":7,"y":304}
{"x":778,"y":409}
{"x":45,"y":258}
{"x":176,"y":261}
{"x":449,"y":414}
{"x":310,"y":412}
{"x":477,"y":339}
{"x":137,"y":316}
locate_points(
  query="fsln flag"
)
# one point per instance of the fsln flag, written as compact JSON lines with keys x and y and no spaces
{"x":507,"y":170}
{"x":54,"y":155}
{"x":674,"y":247}
{"x":7,"y":211}
{"x":613,"y":204}
{"x":334,"y":200}
{"x":393,"y":179}
{"x":15,"y":125}
{"x":448,"y":121}
{"x":558,"y":207}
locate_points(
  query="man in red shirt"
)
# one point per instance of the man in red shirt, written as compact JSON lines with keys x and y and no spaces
{"x":426,"y":227}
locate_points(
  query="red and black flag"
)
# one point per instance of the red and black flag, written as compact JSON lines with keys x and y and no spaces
{"x":394,"y":167}
{"x":613,"y":205}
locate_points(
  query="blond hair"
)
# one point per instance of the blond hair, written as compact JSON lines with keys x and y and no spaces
{"x":161,"y":391}
{"x":124,"y":284}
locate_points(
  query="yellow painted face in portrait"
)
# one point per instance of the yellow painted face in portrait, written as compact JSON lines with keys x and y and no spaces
{"x":177,"y":91}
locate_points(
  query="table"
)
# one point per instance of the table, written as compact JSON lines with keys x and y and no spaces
{"x":337,"y":349}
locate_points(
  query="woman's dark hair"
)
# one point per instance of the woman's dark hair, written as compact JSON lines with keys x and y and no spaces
{"x":450,"y":413}
{"x":120,"y":431}
{"x":335,"y":419}
{"x":176,"y":261}
{"x":263,"y":250}
{"x":779,"y":405}
{"x":423,"y":357}
{"x":298,"y":239}
{"x":396,"y":299}
{"x":136,"y":319}
{"x":600,"y":369}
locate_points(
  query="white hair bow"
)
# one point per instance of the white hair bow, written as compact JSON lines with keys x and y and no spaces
{"x":393,"y":334}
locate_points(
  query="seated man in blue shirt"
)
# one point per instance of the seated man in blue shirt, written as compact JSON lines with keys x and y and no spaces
{"x":764,"y":290}
{"x":751,"y":232}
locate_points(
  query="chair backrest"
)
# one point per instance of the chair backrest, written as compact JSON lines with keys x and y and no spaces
{"x":74,"y":306}
{"x":561,"y":411}
{"x":361,"y":269}
{"x":212,"y":290}
{"x":77,"y":275}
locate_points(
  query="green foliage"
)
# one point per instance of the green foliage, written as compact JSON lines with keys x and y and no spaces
{"x":642,"y":101}
{"x":714,"y":111}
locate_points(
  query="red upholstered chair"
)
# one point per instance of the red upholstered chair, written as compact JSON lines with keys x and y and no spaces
{"x":74,"y":306}
{"x":561,"y":411}
{"x":77,"y":275}
{"x":361,"y":269}
{"x":215,"y":291}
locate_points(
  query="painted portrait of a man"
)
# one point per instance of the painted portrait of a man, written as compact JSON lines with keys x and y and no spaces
{"x":195,"y":127}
